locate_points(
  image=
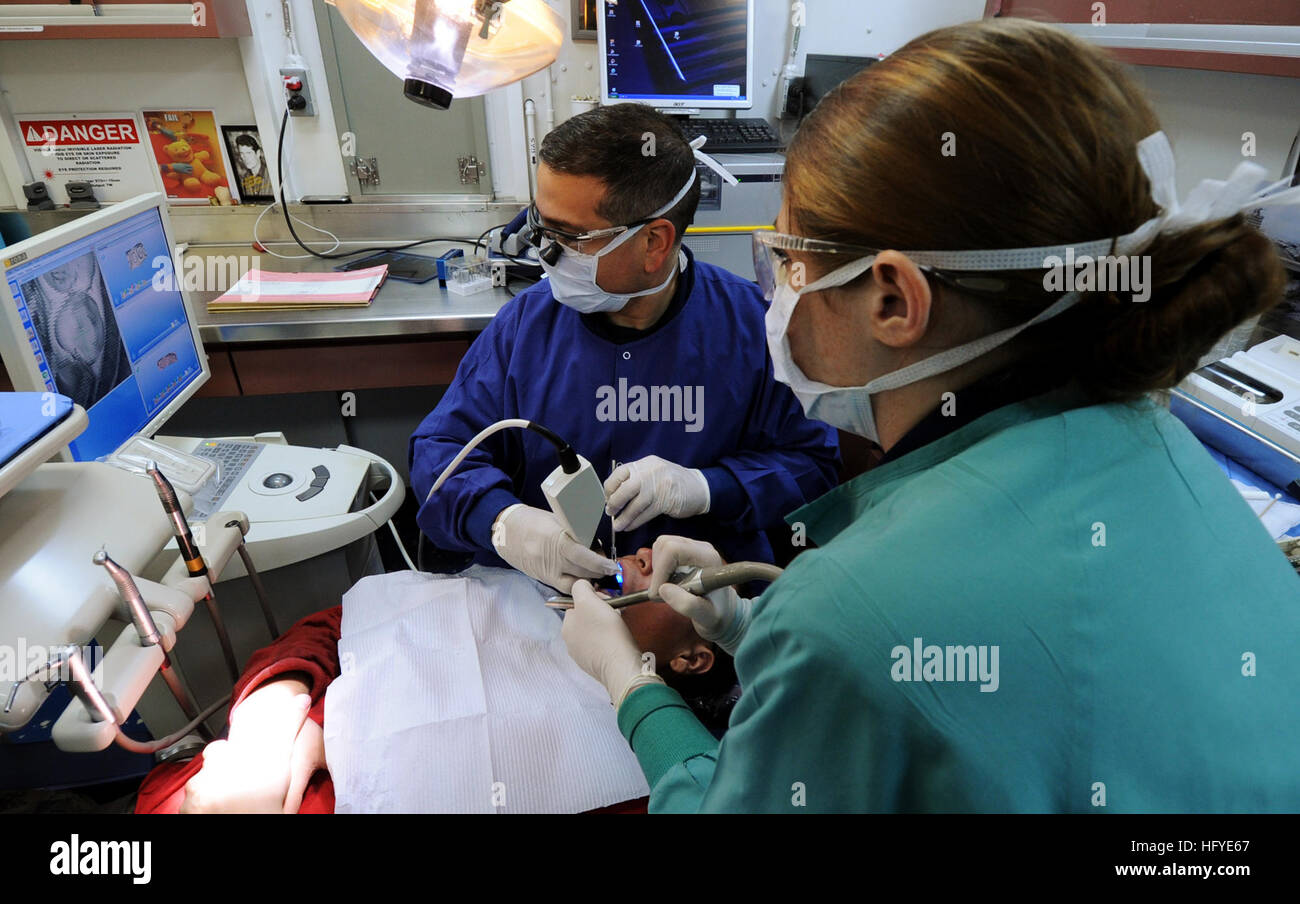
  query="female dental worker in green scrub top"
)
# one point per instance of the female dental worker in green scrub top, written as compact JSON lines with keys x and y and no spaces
{"x":1047,"y":597}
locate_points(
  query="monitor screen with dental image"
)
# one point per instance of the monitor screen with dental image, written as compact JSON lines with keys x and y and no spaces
{"x":92,"y":311}
{"x":678,"y":53}
{"x":95,"y":310}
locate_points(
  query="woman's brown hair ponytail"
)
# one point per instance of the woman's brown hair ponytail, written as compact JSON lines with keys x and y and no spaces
{"x":1009,"y":133}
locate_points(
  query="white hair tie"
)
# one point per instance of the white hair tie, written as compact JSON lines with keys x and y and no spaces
{"x":1210,"y":201}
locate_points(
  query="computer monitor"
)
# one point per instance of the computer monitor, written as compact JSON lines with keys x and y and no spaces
{"x":94,"y":310}
{"x":822,"y":73}
{"x":677,"y":54}
{"x":1282,"y":224}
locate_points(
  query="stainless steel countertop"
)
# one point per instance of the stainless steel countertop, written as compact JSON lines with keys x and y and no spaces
{"x":400,"y":309}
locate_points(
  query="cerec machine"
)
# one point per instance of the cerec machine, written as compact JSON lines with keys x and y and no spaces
{"x":102,"y":346}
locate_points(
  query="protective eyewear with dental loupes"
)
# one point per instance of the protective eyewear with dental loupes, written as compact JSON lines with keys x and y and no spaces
{"x":549,"y":240}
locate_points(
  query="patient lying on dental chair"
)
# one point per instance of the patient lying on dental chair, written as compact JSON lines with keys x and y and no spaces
{"x":426,"y":693}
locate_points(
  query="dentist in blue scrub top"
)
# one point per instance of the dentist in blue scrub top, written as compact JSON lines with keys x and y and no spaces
{"x":651,"y":364}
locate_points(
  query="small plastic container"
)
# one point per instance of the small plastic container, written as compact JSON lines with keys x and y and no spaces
{"x":469,"y":275}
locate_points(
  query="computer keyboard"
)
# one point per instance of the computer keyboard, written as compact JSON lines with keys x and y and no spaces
{"x":733,"y":136}
{"x":233,"y":460}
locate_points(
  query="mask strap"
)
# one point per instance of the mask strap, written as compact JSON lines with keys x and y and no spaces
{"x":841,"y":275}
{"x":708,"y":161}
{"x":1213,"y":199}
{"x":704,"y":158}
{"x":955,"y":357}
{"x":627,"y":236}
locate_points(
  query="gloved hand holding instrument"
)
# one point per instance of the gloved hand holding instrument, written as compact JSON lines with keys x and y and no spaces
{"x":552,"y":547}
{"x":688,"y":575}
{"x":537,"y":543}
{"x":653,"y":486}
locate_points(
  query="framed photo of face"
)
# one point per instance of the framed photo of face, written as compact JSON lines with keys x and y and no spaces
{"x":248,"y":158}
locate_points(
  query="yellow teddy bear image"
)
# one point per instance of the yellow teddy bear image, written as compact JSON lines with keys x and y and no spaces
{"x":187,"y":168}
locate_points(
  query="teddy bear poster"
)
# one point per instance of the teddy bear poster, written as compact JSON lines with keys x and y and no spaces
{"x":191,"y":161}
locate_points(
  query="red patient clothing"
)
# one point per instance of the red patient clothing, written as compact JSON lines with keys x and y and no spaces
{"x":310,"y":647}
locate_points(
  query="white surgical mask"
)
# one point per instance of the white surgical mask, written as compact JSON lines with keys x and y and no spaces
{"x":573,"y":276}
{"x":849,"y":407}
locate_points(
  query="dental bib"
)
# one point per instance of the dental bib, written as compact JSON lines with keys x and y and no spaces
{"x":457,"y":695}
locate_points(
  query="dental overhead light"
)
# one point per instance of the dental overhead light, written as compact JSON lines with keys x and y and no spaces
{"x":455,"y":48}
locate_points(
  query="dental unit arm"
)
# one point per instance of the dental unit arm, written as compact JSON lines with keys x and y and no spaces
{"x":699,"y":581}
{"x":96,"y":707}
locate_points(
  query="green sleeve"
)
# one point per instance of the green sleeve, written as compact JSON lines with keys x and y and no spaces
{"x":666,"y":736}
{"x":806,"y":735}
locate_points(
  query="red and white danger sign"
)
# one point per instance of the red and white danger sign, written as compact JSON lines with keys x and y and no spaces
{"x":107,"y":150}
{"x":63,"y":132}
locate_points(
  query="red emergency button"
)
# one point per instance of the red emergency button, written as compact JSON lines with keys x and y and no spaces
{"x":293,"y":83}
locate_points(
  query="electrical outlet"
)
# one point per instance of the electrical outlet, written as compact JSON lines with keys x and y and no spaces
{"x":297,"y":91}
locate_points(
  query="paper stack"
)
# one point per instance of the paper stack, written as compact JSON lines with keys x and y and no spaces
{"x":266,"y":290}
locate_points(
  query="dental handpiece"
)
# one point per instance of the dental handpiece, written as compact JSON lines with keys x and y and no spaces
{"x":83,"y":684}
{"x":193,"y":558}
{"x":194,"y":563}
{"x":147,"y":628}
{"x":130,"y":593}
{"x":84,"y":687}
{"x":698,"y":581}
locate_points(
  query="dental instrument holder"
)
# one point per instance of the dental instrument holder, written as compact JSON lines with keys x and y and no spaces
{"x":81,"y":682}
{"x":577,"y":498}
{"x":698,"y":581}
{"x":147,"y":628}
{"x":126,"y":668}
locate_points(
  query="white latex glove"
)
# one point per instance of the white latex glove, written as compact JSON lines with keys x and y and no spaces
{"x":722,"y":616}
{"x":601,"y":644}
{"x":534,"y":541}
{"x":653,"y":486}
